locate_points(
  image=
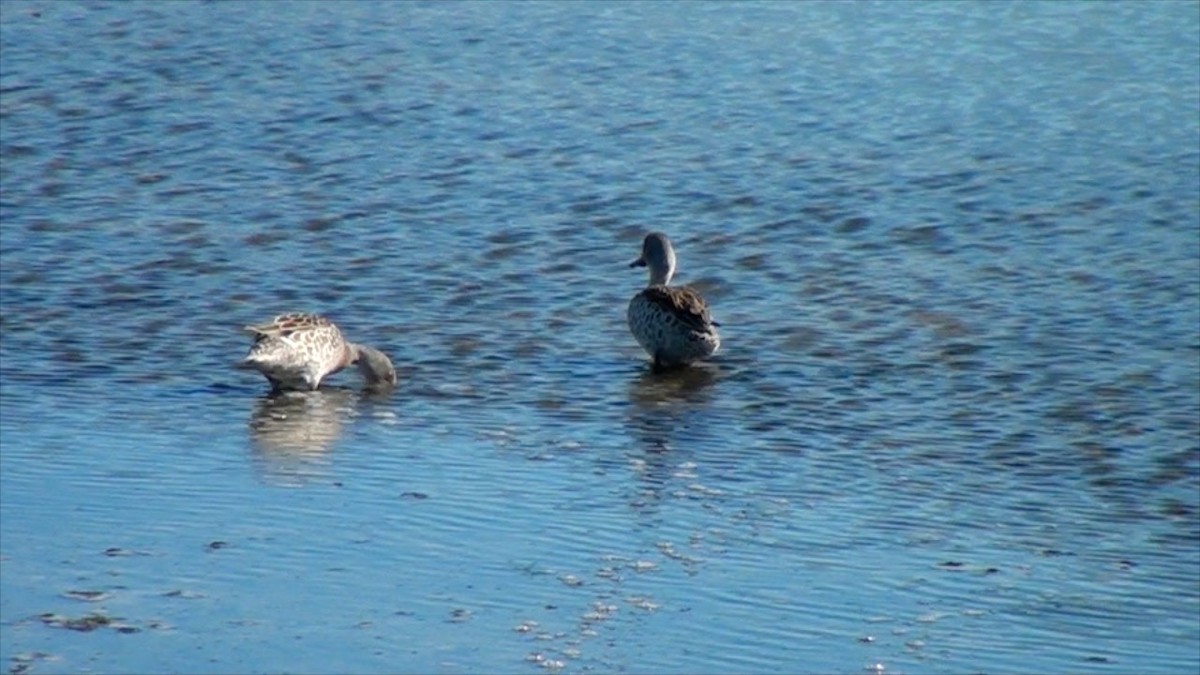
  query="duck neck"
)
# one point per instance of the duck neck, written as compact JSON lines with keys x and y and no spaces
{"x":349,"y":355}
{"x":661,"y":275}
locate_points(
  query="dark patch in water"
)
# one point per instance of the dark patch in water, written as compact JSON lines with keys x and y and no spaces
{"x":854,"y":224}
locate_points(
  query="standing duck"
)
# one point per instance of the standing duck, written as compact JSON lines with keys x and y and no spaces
{"x":296,"y":351}
{"x":672,"y":323}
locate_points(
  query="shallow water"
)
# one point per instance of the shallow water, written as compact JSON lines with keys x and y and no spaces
{"x":954,"y":248}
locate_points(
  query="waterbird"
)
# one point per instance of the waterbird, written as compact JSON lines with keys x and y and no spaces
{"x":672,"y":323}
{"x":295,"y":351}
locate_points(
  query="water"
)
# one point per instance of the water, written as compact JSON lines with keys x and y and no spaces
{"x":954,"y":247}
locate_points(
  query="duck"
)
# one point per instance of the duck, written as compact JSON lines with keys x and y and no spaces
{"x":672,"y":323}
{"x":297,"y":350}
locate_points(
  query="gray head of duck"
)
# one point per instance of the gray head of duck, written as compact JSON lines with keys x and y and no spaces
{"x":658,"y":255}
{"x":375,"y":366}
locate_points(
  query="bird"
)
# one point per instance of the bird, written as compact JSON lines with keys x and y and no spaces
{"x":672,"y":323}
{"x":295,"y":351}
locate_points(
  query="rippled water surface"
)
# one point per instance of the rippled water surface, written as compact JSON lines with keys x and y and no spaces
{"x":954,"y":426}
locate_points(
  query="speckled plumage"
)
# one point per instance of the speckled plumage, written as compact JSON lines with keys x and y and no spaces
{"x":673,"y":324}
{"x":297,"y":351}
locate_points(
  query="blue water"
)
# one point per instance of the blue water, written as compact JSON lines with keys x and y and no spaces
{"x":954,"y":249}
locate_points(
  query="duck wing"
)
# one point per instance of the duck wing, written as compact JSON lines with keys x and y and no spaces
{"x":684,"y":303}
{"x":287,"y":324}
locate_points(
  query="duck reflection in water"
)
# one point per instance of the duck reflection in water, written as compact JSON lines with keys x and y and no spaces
{"x":656,"y":388}
{"x":668,"y":411}
{"x":292,"y":433}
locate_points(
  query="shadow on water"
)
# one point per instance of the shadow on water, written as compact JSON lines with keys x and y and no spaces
{"x":293,"y":433}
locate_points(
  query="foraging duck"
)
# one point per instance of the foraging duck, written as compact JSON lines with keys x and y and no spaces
{"x":672,"y":323}
{"x":296,"y":351}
